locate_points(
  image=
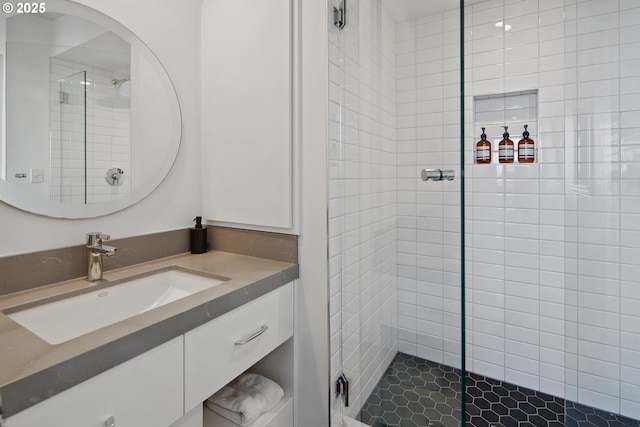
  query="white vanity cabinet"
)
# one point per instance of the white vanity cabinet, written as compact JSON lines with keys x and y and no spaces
{"x":218,"y":351}
{"x":168,"y":384}
{"x":144,"y":391}
{"x":246,"y":107}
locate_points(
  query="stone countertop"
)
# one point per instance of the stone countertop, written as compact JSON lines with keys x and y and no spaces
{"x":32,"y":370}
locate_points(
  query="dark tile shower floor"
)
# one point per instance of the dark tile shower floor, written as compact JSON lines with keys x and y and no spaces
{"x":418,"y":393}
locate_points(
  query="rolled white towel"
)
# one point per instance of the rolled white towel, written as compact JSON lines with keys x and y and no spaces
{"x":245,"y":398}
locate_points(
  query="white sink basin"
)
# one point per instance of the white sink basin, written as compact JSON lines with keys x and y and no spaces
{"x":68,"y":318}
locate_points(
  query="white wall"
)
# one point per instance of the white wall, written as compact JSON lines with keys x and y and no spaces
{"x":28,"y":120}
{"x":172,"y":33}
{"x":313,"y":387}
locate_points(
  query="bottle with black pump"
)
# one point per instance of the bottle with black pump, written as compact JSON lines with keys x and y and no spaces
{"x":198,"y":237}
{"x":483,"y":149}
{"x":505,"y":148}
{"x":526,"y":148}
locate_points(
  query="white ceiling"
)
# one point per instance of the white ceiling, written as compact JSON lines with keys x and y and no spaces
{"x":106,"y":51}
{"x":406,"y":10}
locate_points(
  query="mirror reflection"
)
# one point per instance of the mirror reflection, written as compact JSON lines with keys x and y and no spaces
{"x":77,"y":126}
{"x":82,"y":73}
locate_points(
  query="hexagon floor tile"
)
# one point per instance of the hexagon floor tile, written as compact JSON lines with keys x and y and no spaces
{"x":418,"y":393}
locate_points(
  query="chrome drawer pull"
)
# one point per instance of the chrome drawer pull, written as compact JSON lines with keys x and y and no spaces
{"x":253,"y":336}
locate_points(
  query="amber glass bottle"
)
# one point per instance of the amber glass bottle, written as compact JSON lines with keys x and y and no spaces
{"x":483,"y":149}
{"x":505,"y":148}
{"x":526,"y":148}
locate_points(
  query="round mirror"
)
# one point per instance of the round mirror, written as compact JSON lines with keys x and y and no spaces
{"x":91,"y":121}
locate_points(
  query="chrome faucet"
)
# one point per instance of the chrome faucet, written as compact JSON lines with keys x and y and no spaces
{"x":95,"y":250}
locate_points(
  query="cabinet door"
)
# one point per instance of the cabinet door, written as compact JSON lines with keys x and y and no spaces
{"x":246,"y":111}
{"x":144,"y":391}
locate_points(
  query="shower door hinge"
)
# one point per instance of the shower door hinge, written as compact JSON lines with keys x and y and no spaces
{"x":340,"y":15}
{"x":342,"y":387}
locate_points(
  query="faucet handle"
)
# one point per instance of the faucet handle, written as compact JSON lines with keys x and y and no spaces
{"x":95,"y":238}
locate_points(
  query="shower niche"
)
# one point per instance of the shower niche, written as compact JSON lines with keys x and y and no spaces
{"x":515,"y":111}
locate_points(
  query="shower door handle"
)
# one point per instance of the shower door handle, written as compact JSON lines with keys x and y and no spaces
{"x":437,"y":174}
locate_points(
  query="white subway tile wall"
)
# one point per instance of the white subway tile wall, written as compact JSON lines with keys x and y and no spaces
{"x":552,"y":248}
{"x":92,"y":110}
{"x":428,"y":212}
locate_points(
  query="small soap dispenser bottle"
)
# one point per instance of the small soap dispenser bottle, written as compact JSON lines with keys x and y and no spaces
{"x":505,"y":148}
{"x":483,"y":149}
{"x":526,"y":148}
{"x":198,"y":237}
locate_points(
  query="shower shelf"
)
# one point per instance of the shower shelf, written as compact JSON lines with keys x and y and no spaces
{"x":512,"y":109}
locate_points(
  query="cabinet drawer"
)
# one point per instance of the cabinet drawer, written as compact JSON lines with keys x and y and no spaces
{"x":212,"y":355}
{"x":132,"y":392}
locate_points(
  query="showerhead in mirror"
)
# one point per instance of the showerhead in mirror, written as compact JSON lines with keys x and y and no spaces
{"x":123,"y":86}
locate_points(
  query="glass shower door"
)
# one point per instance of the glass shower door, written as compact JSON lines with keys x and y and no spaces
{"x":69,"y":154}
{"x":548,"y":292}
{"x":362,"y":199}
{"x":395,"y":240}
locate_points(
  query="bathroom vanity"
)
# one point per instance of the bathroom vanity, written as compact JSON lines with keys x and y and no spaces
{"x":156,"y":368}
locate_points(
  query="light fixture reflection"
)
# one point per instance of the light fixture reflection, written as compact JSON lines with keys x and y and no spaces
{"x":500,"y":24}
